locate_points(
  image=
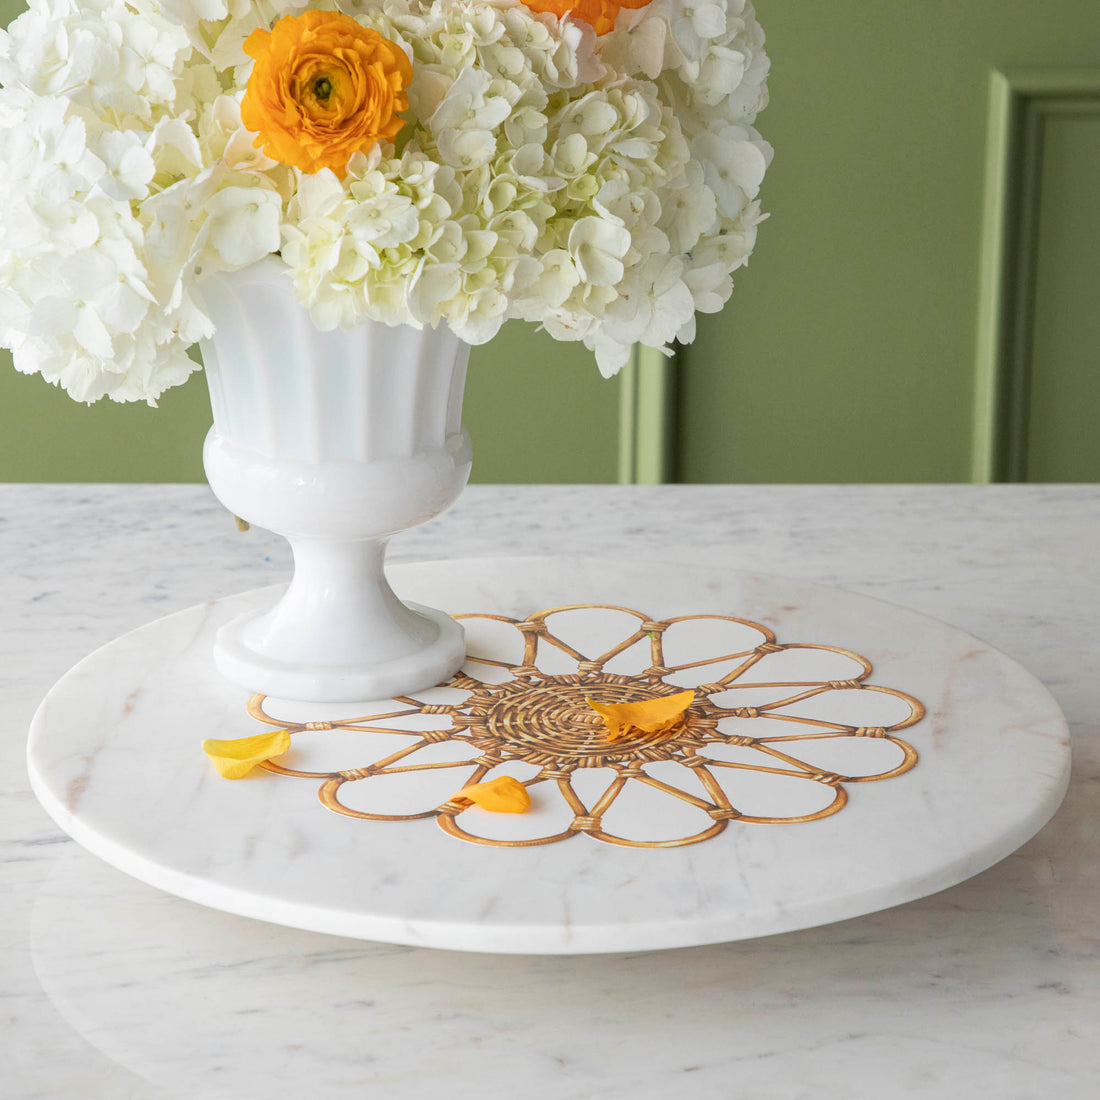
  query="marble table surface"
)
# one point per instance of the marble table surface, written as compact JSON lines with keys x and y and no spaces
{"x":112,"y":989}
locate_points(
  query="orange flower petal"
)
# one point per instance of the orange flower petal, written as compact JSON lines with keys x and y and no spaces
{"x":660,"y":715}
{"x":503,"y":795}
{"x":598,"y":14}
{"x":235,"y":759}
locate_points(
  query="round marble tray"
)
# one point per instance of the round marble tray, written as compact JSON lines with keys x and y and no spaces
{"x":843,"y":755}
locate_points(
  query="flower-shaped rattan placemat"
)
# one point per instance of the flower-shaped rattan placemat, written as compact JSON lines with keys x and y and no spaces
{"x":508,"y":715}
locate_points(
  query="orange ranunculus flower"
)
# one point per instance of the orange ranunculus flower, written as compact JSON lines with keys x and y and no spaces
{"x":600,"y":15}
{"x":323,"y":87}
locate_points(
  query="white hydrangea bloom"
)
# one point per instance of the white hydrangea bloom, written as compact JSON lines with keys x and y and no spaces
{"x":103,"y":55}
{"x":603,"y":187}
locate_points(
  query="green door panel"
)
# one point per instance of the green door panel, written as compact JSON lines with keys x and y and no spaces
{"x":1063,"y":436}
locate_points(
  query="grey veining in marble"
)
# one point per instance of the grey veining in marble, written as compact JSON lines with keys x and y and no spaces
{"x":112,"y":989}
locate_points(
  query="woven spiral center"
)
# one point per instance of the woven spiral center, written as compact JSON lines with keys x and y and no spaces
{"x":553,"y":719}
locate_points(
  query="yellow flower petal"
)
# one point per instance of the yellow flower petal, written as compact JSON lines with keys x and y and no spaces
{"x":503,"y":795}
{"x":235,"y":759}
{"x":660,"y":715}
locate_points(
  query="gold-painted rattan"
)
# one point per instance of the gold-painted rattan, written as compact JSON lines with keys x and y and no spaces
{"x":543,"y":719}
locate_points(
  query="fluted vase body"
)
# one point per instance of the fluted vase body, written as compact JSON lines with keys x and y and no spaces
{"x":336,"y":440}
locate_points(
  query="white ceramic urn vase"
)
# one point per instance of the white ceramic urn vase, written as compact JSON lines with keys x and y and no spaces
{"x":335,"y":440}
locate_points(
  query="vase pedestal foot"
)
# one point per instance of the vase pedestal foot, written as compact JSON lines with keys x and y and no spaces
{"x":431,"y":663}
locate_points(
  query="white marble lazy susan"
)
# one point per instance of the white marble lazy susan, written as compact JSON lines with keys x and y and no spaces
{"x":841,"y":755}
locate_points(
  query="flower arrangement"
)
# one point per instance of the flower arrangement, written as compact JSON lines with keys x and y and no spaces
{"x":588,"y":165}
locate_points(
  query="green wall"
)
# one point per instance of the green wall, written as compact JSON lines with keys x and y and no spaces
{"x":848,"y":351}
{"x":851,"y":348}
{"x":521,"y":389}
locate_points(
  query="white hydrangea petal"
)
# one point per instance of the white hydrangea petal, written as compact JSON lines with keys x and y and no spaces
{"x":129,"y":166}
{"x":611,"y":356}
{"x":597,"y":247}
{"x":175,"y":149}
{"x":91,"y":333}
{"x":244,"y":224}
{"x":467,"y":149}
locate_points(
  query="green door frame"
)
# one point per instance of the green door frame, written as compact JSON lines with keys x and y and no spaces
{"x":1020,"y":102}
{"x":647,"y":418}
